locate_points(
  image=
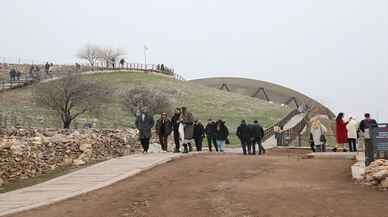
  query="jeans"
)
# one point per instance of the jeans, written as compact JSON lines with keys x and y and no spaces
{"x":221,"y":145}
{"x":352,"y":145}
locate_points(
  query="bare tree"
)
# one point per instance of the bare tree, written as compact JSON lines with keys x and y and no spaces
{"x":155,"y":101}
{"x":89,"y":53}
{"x":110,"y":55}
{"x":71,"y":96}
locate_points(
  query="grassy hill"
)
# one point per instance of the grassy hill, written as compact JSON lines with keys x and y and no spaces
{"x":203,"y":102}
{"x":276,"y":93}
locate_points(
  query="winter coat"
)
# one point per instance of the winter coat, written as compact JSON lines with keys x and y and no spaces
{"x":199,"y":131}
{"x":365,"y":125}
{"x":210,"y":129}
{"x":316,"y":134}
{"x":243,"y":132}
{"x":222,"y":133}
{"x":341,"y":131}
{"x":175,"y":123}
{"x":256,"y":131}
{"x":163,"y":129}
{"x":352,"y":129}
{"x":144,"y":126}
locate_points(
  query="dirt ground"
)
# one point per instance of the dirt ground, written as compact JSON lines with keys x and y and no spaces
{"x":281,"y":184}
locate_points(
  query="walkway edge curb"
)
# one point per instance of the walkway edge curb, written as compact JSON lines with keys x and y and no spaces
{"x":97,"y":187}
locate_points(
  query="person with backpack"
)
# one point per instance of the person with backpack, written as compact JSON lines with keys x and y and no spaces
{"x":318,"y":139}
{"x":210,"y":131}
{"x":222,"y":134}
{"x":243,"y":133}
{"x":257,"y":135}
{"x":163,"y":130}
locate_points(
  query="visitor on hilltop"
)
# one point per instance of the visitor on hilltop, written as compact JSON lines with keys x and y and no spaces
{"x":144,"y":123}
{"x":47,"y":68}
{"x":317,"y":136}
{"x":352,"y":129}
{"x":163,"y":130}
{"x":341,"y":132}
{"x":199,"y":134}
{"x":18,"y":75}
{"x":175,"y":125}
{"x":257,"y":135}
{"x":222,"y":134}
{"x":187,"y":120}
{"x":122,"y":62}
{"x":210,"y":131}
{"x":365,"y":126}
{"x":244,"y":134}
{"x":12,"y":74}
{"x":31,"y":72}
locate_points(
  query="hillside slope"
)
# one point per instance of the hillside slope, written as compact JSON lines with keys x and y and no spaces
{"x":204,"y":102}
{"x":275,"y":92}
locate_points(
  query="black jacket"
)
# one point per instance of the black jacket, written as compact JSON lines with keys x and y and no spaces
{"x":175,"y":122}
{"x":256,"y":131}
{"x":210,"y":129}
{"x":222,"y":133}
{"x":163,"y":129}
{"x":199,"y":131}
{"x":365,"y":124}
{"x":243,"y":132}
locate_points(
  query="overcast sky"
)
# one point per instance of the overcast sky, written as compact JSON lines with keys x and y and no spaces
{"x":333,"y":50}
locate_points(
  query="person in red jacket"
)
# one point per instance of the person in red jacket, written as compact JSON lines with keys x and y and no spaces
{"x":341,"y":131}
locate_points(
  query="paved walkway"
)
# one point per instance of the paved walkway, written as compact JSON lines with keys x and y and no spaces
{"x":79,"y":182}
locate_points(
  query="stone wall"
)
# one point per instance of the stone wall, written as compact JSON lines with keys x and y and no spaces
{"x":376,"y":174}
{"x":26,"y":153}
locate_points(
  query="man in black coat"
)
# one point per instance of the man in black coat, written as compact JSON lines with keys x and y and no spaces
{"x":243,"y":133}
{"x":199,"y":133}
{"x":210,"y":131}
{"x":163,"y":129}
{"x":257,"y":134}
{"x":365,"y":126}
{"x":175,"y":126}
{"x":144,"y":123}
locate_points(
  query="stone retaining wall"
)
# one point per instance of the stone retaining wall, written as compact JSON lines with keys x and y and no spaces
{"x":26,"y":153}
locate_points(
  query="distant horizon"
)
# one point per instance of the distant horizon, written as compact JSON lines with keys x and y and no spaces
{"x":335,"y":52}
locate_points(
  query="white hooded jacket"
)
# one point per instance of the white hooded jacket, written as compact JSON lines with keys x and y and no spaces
{"x":352,"y":128}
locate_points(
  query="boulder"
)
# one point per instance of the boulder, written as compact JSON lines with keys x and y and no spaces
{"x":78,"y":162}
{"x":1,"y":182}
{"x":384,"y":183}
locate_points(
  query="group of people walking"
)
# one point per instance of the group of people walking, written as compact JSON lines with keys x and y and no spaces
{"x":189,"y":132}
{"x":186,"y":130}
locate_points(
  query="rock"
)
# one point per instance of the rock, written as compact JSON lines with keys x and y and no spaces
{"x":85,"y":147}
{"x":1,"y":182}
{"x":384,"y":183}
{"x":78,"y":162}
{"x":380,"y":175}
{"x":67,"y":162}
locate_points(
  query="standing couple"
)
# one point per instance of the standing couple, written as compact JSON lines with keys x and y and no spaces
{"x":250,"y":135}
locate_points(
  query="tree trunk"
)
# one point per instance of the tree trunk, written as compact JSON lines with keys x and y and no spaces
{"x":66,"y":124}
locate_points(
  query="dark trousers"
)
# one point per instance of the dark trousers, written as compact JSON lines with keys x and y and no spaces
{"x":312,"y":145}
{"x":163,"y":142}
{"x":244,"y":145}
{"x":145,"y":143}
{"x":260,"y":146}
{"x":188,"y":148}
{"x":198,"y":143}
{"x":210,"y":140}
{"x":176,"y":141}
{"x":369,"y":152}
{"x":251,"y":147}
{"x":352,"y":145}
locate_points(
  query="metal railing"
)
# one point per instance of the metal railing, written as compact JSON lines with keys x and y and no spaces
{"x":269,"y":132}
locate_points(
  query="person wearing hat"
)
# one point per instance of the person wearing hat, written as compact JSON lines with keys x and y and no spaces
{"x":163,"y":129}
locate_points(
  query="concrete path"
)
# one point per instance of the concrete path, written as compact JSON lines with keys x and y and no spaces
{"x":81,"y":181}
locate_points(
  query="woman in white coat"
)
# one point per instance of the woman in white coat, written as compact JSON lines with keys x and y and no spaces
{"x":318,"y":132}
{"x":352,"y":128}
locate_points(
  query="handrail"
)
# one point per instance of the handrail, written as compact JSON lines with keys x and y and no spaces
{"x":269,"y":132}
